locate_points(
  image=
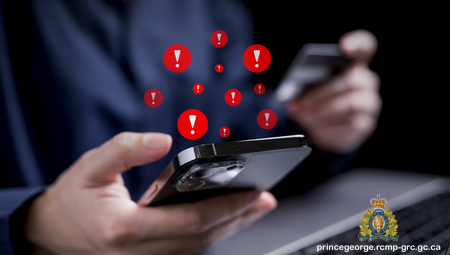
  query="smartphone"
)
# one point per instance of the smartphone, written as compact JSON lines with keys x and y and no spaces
{"x":313,"y":64}
{"x":213,"y":169}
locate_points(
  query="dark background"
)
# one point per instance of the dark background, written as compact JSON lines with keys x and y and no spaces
{"x":412,"y":57}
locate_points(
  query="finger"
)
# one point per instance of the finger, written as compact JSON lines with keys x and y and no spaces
{"x":195,"y":243}
{"x":343,"y":138}
{"x":102,"y":165}
{"x":355,"y":78}
{"x":192,"y":218}
{"x":359,"y":44}
{"x":316,"y":95}
{"x":339,"y":109}
{"x":238,"y":222}
{"x":138,"y":224}
{"x":266,"y":204}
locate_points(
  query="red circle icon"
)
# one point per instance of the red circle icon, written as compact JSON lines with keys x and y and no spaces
{"x":192,"y":124}
{"x":224,"y":131}
{"x":256,"y":58}
{"x":259,"y":89}
{"x":219,"y":68}
{"x":233,"y":97}
{"x":198,"y":88}
{"x":153,"y":98}
{"x":267,"y":119}
{"x":177,"y":58}
{"x":219,"y":38}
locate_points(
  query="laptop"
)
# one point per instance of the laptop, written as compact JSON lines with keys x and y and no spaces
{"x":334,"y":209}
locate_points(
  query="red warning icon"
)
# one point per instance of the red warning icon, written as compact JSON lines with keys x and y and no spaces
{"x":219,"y":68}
{"x":267,"y":119}
{"x":233,"y":97}
{"x":259,"y":89}
{"x":177,"y":58}
{"x":256,"y":58}
{"x":153,"y":98}
{"x":219,"y":38}
{"x":198,"y":88}
{"x":192,"y":124}
{"x":224,"y":131}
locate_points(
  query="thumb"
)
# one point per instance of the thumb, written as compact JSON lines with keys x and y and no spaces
{"x":101,"y":166}
{"x":359,"y":44}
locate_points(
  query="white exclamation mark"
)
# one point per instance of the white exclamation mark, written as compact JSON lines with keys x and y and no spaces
{"x":224,"y":131}
{"x":218,"y":38}
{"x":218,"y":67}
{"x":259,"y":87}
{"x":198,"y":88}
{"x":192,"y":119}
{"x":267,"y":118}
{"x":177,"y":57}
{"x":256,"y":53}
{"x":153,"y":97}
{"x":232,"y":96}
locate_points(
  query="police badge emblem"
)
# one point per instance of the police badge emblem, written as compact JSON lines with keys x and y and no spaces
{"x":378,"y":223}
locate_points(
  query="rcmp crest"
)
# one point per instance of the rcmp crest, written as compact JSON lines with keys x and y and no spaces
{"x":378,"y":223}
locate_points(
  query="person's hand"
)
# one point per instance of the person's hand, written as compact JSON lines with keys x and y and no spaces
{"x":342,"y":113}
{"x":88,"y":209}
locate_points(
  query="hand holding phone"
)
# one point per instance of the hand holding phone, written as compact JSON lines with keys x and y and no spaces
{"x":88,"y":209}
{"x":341,"y":113}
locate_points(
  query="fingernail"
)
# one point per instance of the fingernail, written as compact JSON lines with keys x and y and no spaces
{"x":350,"y":43}
{"x":269,"y":201}
{"x":157,"y":141}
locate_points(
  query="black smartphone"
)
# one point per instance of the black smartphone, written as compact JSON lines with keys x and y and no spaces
{"x":313,"y":64}
{"x":212,"y":169}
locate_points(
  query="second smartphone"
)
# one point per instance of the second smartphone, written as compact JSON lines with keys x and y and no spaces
{"x":314,"y":63}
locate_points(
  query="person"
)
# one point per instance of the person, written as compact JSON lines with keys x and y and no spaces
{"x":73,"y":77}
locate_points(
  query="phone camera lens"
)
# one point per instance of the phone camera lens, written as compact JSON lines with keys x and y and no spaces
{"x":210,"y":175}
{"x":190,"y":184}
{"x":230,"y":168}
{"x":203,"y":173}
{"x":198,"y":174}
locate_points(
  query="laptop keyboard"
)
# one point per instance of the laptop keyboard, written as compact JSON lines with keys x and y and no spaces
{"x":424,"y":223}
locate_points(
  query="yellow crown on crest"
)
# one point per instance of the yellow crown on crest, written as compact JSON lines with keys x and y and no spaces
{"x":378,"y":203}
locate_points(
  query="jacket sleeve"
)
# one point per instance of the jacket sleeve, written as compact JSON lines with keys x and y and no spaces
{"x":14,"y":203}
